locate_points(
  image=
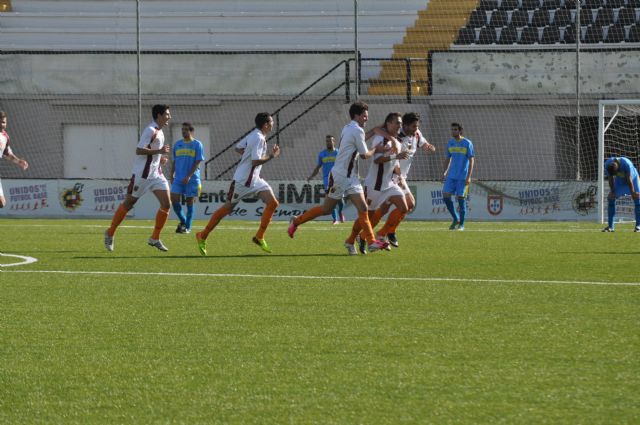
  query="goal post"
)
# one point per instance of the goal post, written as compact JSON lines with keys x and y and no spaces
{"x":618,"y":135}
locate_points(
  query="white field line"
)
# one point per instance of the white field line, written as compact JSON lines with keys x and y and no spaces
{"x":325,"y":278}
{"x":25,"y":260}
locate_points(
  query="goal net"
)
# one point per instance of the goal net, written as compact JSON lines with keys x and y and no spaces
{"x":618,"y":135}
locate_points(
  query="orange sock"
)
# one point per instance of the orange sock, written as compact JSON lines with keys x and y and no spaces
{"x":118,"y":217}
{"x":266,"y":218}
{"x":354,"y":231}
{"x":394,"y":220}
{"x":367,"y":231}
{"x":374,"y":219}
{"x":309,"y":215}
{"x":214,"y":220}
{"x":161,"y":218}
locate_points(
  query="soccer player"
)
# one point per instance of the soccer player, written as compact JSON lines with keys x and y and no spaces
{"x":380,"y":186}
{"x":187,"y":154}
{"x":326,"y":160}
{"x":147,"y":177}
{"x":623,"y":180}
{"x":247,"y":182}
{"x":343,"y":179}
{"x":7,"y":153}
{"x":457,"y":174}
{"x":411,"y":139}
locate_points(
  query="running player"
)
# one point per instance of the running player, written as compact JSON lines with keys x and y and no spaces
{"x":247,"y":182}
{"x":457,"y":174}
{"x":623,"y":181}
{"x":7,"y":153}
{"x":187,"y":155}
{"x":147,"y":177}
{"x":326,"y":160}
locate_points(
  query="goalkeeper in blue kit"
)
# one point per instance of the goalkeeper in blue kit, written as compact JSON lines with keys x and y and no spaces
{"x":623,"y":181}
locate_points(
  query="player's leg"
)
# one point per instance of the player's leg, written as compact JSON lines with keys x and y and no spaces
{"x":636,"y":203}
{"x":411,"y":204}
{"x":448,"y":189}
{"x":193,"y":191}
{"x":271,"y":203}
{"x":461,"y":194}
{"x":190,"y":210}
{"x":3,"y":201}
{"x":162,"y":215}
{"x":340,"y":207}
{"x":176,"y":204}
{"x":358,"y":201}
{"x":312,"y":213}
{"x":396,"y":216}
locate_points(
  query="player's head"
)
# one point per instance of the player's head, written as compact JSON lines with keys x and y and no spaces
{"x":613,"y":167}
{"x":456,"y":130}
{"x":359,"y":112}
{"x":410,"y":123}
{"x":3,"y":120}
{"x":187,"y":130}
{"x":161,"y":114}
{"x":331,"y":142}
{"x":264,"y":122}
{"x":393,"y":123}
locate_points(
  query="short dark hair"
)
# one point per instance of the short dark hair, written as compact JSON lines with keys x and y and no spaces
{"x":613,"y":166}
{"x":262,"y":118}
{"x":392,"y":117}
{"x":410,"y":118}
{"x":158,"y":110}
{"x":357,"y":108}
{"x":3,"y":114}
{"x":456,"y":125}
{"x":188,"y":125}
{"x":329,"y":136}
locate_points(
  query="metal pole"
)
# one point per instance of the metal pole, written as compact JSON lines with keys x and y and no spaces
{"x":578,"y":37}
{"x":355,"y":45}
{"x":138,"y":67}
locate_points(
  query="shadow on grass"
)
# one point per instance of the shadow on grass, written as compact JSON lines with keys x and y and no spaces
{"x":102,"y":257}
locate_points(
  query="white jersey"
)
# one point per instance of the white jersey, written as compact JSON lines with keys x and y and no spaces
{"x":380,"y":176}
{"x":410,"y":144}
{"x":255,"y":147}
{"x":352,"y":143}
{"x":148,"y":166}
{"x":5,"y":148}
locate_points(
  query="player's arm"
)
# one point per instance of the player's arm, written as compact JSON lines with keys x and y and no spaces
{"x":634,"y":194}
{"x":447,"y":163}
{"x":9,"y":156}
{"x":239,"y":150}
{"x":472,"y":161}
{"x":315,"y":171}
{"x":195,"y":166}
{"x":275,"y":152}
{"x":148,"y":151}
{"x":612,"y":188}
{"x":382,"y":159}
{"x":428,"y":147}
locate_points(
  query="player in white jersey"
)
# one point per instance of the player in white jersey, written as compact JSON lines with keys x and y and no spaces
{"x":7,"y":153}
{"x":147,"y":176}
{"x":344,"y":181}
{"x":247,"y":182}
{"x":412,"y":140}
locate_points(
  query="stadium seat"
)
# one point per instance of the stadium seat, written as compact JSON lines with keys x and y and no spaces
{"x":626,"y":16}
{"x":519,"y":18}
{"x":633,"y":3}
{"x":586,"y":17}
{"x":529,"y":35}
{"x":634,"y":34}
{"x":540,"y":18}
{"x":488,"y":4}
{"x":508,"y":35}
{"x":614,"y":4}
{"x":530,"y":4}
{"x":477,"y":19}
{"x":487,"y":36}
{"x":550,"y":35}
{"x":508,"y":4}
{"x":593,"y":34}
{"x":551,"y":4}
{"x":591,"y":4}
{"x":466,"y":35}
{"x":498,"y":19}
{"x":604,"y":17}
{"x":569,"y":36}
{"x":615,"y":34}
{"x":562,"y":18}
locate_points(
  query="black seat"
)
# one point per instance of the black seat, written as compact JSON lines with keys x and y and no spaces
{"x":626,"y":16}
{"x":586,"y":17}
{"x":508,"y":4}
{"x":550,"y":35}
{"x":593,"y":34}
{"x":466,"y":35}
{"x":614,"y":4}
{"x":562,"y":18}
{"x":519,"y":18}
{"x":615,"y":34}
{"x":477,"y":19}
{"x":569,"y":36}
{"x":487,"y":36}
{"x":604,"y":17}
{"x":529,"y":35}
{"x":508,"y":35}
{"x":591,"y":4}
{"x":551,"y":4}
{"x":634,"y":34}
{"x":633,"y":3}
{"x":488,"y":4}
{"x":540,"y":18}
{"x":530,"y":4}
{"x":498,"y":19}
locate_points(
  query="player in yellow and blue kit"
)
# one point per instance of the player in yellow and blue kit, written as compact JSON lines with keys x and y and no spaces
{"x":186,"y":155}
{"x":623,"y":181}
{"x":326,"y":160}
{"x":457,"y":174}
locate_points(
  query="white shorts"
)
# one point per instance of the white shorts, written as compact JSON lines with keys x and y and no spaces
{"x":139,"y":186}
{"x":1,"y":192}
{"x":375,"y":198}
{"x":238,"y":191}
{"x":340,"y":186}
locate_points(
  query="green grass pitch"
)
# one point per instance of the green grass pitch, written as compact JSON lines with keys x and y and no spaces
{"x":502,"y":323}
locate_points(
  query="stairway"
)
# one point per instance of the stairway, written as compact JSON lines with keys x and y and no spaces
{"x":435,"y":29}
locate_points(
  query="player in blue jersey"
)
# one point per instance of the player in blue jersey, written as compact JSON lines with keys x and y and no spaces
{"x":326,"y":159}
{"x":187,"y":154}
{"x":457,"y":174}
{"x":623,"y":181}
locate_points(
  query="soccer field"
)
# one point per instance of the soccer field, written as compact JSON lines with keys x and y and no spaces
{"x":502,"y":323}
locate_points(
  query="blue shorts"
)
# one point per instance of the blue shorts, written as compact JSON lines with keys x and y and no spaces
{"x":456,"y":187}
{"x":622,"y":188}
{"x":190,"y":190}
